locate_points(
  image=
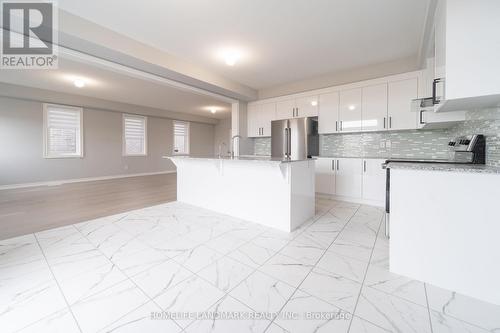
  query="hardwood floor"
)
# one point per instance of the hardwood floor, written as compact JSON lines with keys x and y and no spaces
{"x":33,"y":209}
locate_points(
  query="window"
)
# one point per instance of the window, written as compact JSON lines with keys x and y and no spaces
{"x":181,"y":138}
{"x":62,"y":132}
{"x":134,"y":135}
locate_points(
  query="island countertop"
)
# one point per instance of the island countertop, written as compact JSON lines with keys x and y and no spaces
{"x":255,"y":158}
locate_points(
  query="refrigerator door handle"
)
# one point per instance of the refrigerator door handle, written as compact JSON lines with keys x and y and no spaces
{"x":289,"y":139}
{"x":286,"y":142}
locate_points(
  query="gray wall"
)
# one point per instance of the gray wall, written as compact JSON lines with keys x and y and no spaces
{"x":223,"y":135}
{"x":408,"y":144}
{"x":21,"y":145}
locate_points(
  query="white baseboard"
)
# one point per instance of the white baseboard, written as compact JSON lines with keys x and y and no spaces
{"x":354,"y":200}
{"x":80,"y":180}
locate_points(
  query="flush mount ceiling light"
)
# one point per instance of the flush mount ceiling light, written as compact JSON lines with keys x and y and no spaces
{"x":230,"y":55}
{"x":213,"y":110}
{"x":314,"y":103}
{"x":79,"y":83}
{"x":352,"y":107}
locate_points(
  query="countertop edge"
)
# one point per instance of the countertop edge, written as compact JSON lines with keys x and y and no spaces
{"x":441,"y":167}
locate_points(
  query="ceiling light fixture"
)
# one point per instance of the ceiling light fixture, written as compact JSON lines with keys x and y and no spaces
{"x":230,"y":55}
{"x":352,"y":107}
{"x":213,"y":110}
{"x":314,"y":103}
{"x":79,"y":83}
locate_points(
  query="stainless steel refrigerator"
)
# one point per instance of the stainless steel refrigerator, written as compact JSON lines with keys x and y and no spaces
{"x":295,"y":139}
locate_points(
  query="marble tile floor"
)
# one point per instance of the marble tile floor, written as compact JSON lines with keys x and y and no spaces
{"x":171,"y":267}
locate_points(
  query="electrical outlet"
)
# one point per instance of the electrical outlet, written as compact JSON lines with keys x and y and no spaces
{"x":388,"y":144}
{"x":382,"y":144}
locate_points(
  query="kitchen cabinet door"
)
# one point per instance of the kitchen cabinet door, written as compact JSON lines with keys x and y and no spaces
{"x":350,"y":110}
{"x":400,"y":95}
{"x":325,"y":176}
{"x":253,"y":120}
{"x":284,"y":109}
{"x":267,"y":114}
{"x":373,"y":180}
{"x":374,"y":108}
{"x":306,"y":107}
{"x":328,"y":113}
{"x":349,"y":177}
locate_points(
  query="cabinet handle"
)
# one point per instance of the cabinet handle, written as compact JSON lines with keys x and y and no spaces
{"x":435,"y":99}
{"x":390,"y":122}
{"x":336,"y":126}
{"x":421,"y":117}
{"x":341,"y":125}
{"x":384,"y":122}
{"x":333,"y":165}
{"x":338,"y":165}
{"x":297,"y":112}
{"x":364,"y":166}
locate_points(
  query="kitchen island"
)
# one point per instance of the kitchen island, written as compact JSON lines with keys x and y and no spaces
{"x":444,"y":226}
{"x":273,"y":192}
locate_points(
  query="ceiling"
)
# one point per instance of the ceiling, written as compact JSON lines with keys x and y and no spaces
{"x":283,"y":41}
{"x":112,"y":85}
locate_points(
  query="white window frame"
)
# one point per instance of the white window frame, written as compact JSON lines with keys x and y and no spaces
{"x":188,"y":141}
{"x":46,"y":153}
{"x":124,"y":146}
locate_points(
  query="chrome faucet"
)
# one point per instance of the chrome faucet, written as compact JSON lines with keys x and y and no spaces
{"x":232,"y":143}
{"x":220,"y":148}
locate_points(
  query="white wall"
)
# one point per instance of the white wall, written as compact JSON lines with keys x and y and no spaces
{"x":21,"y":145}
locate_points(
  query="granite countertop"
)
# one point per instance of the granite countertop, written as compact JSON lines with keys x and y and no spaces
{"x":256,"y":158}
{"x":469,"y":168}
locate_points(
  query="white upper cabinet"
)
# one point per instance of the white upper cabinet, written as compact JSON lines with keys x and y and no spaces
{"x":374,"y":105}
{"x":306,"y":107}
{"x":400,"y":95}
{"x":253,"y":120}
{"x":467,"y":45}
{"x":259,"y":117}
{"x":267,"y":115}
{"x":285,"y":109}
{"x":350,"y":110}
{"x":328,"y":113}
{"x":374,"y":108}
{"x":297,"y":108}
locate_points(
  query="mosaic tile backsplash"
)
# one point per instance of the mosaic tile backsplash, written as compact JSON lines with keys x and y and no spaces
{"x":410,"y":144}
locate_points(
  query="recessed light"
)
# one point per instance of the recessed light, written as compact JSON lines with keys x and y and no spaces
{"x":352,"y":107}
{"x":79,"y":83}
{"x":314,"y":103}
{"x":213,"y":110}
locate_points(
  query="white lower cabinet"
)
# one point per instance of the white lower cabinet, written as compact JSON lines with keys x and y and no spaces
{"x":349,"y":177}
{"x":325,"y":176}
{"x":373,"y":180}
{"x":357,"y":179}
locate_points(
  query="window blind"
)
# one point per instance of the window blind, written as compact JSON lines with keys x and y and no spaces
{"x":134,"y":128}
{"x":63,"y":131}
{"x":181,"y":137}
